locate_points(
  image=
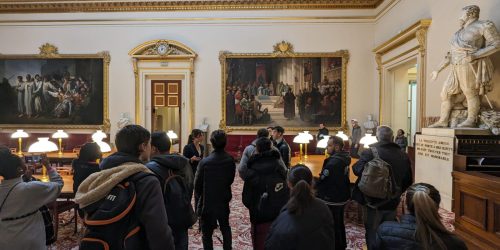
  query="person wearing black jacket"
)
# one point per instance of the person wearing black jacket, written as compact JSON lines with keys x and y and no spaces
{"x":333,"y":186}
{"x":212,"y":187}
{"x":194,"y":150}
{"x":421,"y":228}
{"x":304,"y":222}
{"x":85,"y":165}
{"x":375,"y":210}
{"x":161,"y":163}
{"x":281,"y":144}
{"x":134,"y":148}
{"x":265,"y":161}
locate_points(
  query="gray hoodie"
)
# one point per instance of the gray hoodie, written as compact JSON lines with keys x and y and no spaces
{"x":26,"y":198}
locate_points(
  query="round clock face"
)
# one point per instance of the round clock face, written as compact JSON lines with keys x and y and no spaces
{"x":162,"y":49}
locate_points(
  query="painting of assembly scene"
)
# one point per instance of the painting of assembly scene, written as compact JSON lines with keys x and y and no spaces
{"x":292,"y":92}
{"x":51,"y":91}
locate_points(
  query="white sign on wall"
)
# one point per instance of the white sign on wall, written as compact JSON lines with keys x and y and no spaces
{"x":434,"y":164}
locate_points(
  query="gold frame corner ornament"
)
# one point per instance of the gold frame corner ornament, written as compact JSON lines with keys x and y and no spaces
{"x":285,"y":51}
{"x":283,"y":48}
{"x":49,"y":51}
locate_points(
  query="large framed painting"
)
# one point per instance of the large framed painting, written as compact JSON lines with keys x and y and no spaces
{"x":297,"y":91}
{"x":50,"y":90}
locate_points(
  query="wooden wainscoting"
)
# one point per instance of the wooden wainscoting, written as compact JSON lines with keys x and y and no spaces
{"x":477,"y":208}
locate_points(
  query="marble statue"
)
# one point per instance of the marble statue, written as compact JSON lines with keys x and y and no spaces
{"x":123,"y":121}
{"x":370,"y":125}
{"x":471,"y":68}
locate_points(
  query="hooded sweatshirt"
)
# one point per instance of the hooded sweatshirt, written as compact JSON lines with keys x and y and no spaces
{"x":151,"y":214}
{"x":178,"y":164}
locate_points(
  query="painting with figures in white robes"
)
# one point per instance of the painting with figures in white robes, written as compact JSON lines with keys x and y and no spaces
{"x":41,"y":92}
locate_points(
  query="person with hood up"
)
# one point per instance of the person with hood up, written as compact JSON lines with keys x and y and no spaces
{"x":162,"y":161}
{"x":264,"y":164}
{"x":134,"y":148}
{"x":333,"y":186}
{"x":250,"y":150}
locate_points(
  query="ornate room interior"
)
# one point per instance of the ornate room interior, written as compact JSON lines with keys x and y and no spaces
{"x":241,"y":65}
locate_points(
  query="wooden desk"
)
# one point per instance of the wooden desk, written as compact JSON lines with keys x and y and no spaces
{"x":64,"y":202}
{"x":315,"y":163}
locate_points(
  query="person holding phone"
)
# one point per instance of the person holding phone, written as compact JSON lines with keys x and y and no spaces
{"x":194,"y":150}
{"x":22,"y":225}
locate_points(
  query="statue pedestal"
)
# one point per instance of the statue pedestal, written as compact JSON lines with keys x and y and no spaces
{"x":435,"y":148}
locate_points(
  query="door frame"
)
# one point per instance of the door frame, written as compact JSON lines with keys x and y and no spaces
{"x":408,"y":45}
{"x":177,"y":60}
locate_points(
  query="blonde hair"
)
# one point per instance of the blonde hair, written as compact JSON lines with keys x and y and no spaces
{"x":423,"y":201}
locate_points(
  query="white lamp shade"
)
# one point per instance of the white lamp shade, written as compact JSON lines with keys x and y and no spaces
{"x":19,"y":134}
{"x":300,"y":138}
{"x":98,"y":136}
{"x":367,"y":140}
{"x":342,"y":135}
{"x":60,"y":134}
{"x":43,"y":145}
{"x":104,"y":146}
{"x":323,"y":143}
{"x":172,"y":135}
{"x":308,"y":136}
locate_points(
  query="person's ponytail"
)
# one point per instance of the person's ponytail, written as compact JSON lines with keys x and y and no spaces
{"x":424,"y":204}
{"x":301,"y":193}
{"x":301,"y":196}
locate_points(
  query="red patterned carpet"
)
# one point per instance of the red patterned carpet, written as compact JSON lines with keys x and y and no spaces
{"x":240,"y":225}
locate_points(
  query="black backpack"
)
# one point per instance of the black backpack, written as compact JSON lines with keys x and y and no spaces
{"x":176,"y":196}
{"x":111,"y":222}
{"x":265,"y":196}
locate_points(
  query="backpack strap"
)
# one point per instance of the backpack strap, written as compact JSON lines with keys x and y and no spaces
{"x":7,"y":196}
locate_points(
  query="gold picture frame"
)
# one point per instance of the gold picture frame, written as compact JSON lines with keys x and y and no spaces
{"x":49,"y":55}
{"x":284,"y":50}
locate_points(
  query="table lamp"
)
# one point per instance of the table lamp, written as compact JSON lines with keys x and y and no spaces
{"x":104,"y":146}
{"x":60,"y":134}
{"x":19,"y":134}
{"x":342,"y":135}
{"x":323,"y":143}
{"x":368,"y":140}
{"x":98,"y":135}
{"x":300,"y":139}
{"x":97,"y":138}
{"x":43,"y":145}
{"x":309,"y":137}
{"x":172,"y":135}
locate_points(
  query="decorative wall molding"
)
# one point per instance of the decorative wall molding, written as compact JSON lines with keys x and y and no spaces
{"x":54,"y":6}
{"x":416,"y":31}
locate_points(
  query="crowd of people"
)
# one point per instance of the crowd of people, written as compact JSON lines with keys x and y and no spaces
{"x":120,"y":196}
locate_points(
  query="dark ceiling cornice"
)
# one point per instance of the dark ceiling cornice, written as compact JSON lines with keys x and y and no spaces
{"x":60,"y":6}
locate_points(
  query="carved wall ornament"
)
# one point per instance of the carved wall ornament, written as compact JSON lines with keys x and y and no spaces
{"x":421,"y":36}
{"x":52,"y":6}
{"x":48,"y":50}
{"x":283,"y":48}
